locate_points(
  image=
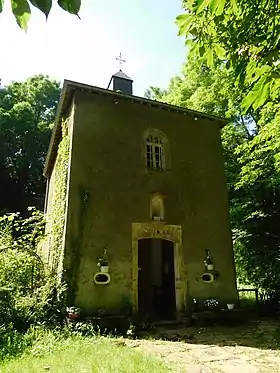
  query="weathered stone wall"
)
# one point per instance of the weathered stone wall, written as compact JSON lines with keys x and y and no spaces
{"x":110,"y":189}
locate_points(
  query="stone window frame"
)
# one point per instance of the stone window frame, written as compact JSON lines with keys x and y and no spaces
{"x":157,"y":140}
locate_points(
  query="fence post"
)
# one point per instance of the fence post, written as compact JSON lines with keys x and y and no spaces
{"x":257,"y":295}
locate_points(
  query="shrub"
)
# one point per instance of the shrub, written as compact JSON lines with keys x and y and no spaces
{"x":28,"y":294}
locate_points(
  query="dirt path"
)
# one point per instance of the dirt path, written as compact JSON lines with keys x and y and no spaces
{"x":251,"y":349}
{"x":185,"y":357}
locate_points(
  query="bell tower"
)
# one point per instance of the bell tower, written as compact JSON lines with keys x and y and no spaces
{"x":121,"y":82}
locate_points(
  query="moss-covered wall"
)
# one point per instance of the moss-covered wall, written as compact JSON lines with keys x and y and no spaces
{"x":110,"y":189}
{"x":57,"y":200}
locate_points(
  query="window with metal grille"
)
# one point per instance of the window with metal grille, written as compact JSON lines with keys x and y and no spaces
{"x":154,"y":153}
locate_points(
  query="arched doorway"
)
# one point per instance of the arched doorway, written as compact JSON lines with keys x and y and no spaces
{"x":156,"y":279}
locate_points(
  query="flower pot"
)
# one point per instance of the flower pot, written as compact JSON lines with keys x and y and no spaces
{"x":230,"y":306}
{"x":73,"y":316}
{"x":104,"y":269}
{"x":210,"y":267}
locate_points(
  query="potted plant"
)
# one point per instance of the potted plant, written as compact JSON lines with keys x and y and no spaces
{"x":103,"y":263}
{"x":73,"y":313}
{"x":230,"y":306}
{"x":209,"y":260}
{"x":211,"y":304}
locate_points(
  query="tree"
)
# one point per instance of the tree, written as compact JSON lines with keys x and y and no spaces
{"x":255,"y":208}
{"x":27,"y":111}
{"x":245,"y":35}
{"x":251,"y":145}
{"x":22,"y":10}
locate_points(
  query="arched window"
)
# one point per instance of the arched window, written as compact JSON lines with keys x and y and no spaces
{"x":155,"y":150}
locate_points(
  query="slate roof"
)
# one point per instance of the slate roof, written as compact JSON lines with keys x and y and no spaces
{"x":122,"y":75}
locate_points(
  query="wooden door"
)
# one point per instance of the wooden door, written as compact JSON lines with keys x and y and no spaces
{"x":168,"y":279}
{"x":145,"y":291}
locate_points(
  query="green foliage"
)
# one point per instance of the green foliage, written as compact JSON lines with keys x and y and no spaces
{"x":57,"y":216}
{"x":244,"y":35}
{"x":12,"y":342}
{"x":27,"y":112}
{"x":28,"y":293}
{"x":22,"y":11}
{"x":251,"y":145}
{"x":55,"y":352}
{"x":71,"y":6}
{"x":43,"y":5}
{"x":37,"y":341}
{"x":255,"y":212}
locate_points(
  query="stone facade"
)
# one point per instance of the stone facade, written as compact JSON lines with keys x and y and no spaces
{"x":109,"y":192}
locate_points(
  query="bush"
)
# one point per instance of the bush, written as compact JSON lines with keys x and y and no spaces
{"x":86,"y":329}
{"x":12,"y":342}
{"x":28,"y":294}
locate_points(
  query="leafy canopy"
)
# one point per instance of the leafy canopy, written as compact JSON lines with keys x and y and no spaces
{"x":27,"y":111}
{"x":245,"y":35}
{"x":22,"y":10}
{"x":251,"y":146}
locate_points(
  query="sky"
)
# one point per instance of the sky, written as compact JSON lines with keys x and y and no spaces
{"x":64,"y":47}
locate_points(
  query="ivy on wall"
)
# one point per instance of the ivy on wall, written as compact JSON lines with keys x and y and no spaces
{"x":57,"y":216}
{"x":71,"y":274}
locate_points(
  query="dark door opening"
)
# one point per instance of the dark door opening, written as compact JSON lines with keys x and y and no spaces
{"x":156,"y":279}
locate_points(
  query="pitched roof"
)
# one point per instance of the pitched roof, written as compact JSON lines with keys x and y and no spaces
{"x":68,"y":89}
{"x":122,"y":75}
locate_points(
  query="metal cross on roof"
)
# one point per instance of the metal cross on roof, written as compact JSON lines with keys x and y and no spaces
{"x":119,"y":58}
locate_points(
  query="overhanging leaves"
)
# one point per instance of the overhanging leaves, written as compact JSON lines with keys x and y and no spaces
{"x":201,"y":5}
{"x":21,"y":11}
{"x":217,"y":6}
{"x":43,"y":5}
{"x":256,"y":95}
{"x":21,"y":8}
{"x":262,"y":96}
{"x":254,"y":72}
{"x":71,"y":6}
{"x":220,"y":51}
{"x":243,"y":34}
{"x":209,"y":57}
{"x":1,"y":5}
{"x":234,"y":6}
{"x":184,"y":21}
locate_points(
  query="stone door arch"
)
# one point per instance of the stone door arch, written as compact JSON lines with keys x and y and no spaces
{"x":165,"y":232}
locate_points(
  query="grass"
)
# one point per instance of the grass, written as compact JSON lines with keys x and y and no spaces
{"x":253,"y":347}
{"x":53,"y":353}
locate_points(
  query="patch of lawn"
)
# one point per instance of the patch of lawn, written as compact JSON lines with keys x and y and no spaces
{"x":83,"y":354}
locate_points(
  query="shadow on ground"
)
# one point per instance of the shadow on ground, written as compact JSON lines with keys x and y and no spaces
{"x":261,"y":334}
